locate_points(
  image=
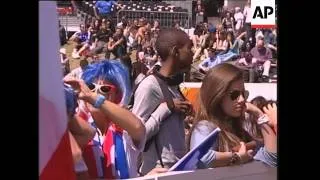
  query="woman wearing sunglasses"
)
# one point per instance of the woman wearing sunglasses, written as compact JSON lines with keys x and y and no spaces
{"x":118,"y":133}
{"x":223,"y":104}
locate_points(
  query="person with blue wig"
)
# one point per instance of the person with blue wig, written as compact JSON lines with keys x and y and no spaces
{"x":103,"y":90}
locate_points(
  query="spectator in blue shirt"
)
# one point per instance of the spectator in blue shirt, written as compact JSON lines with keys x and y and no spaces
{"x":104,"y":8}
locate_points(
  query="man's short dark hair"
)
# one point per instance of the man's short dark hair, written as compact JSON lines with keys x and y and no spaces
{"x":167,"y":39}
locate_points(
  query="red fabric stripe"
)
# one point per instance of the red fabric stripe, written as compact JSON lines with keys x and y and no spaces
{"x":263,"y":26}
{"x":60,"y":165}
{"x":107,"y":144}
{"x":90,"y":161}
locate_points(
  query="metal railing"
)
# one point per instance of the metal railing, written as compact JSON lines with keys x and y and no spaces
{"x":166,"y":19}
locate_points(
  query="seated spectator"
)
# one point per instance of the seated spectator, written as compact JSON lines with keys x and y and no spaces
{"x":228,"y":22}
{"x":150,"y":57}
{"x":206,"y":41}
{"x":270,"y":39}
{"x":101,"y":39}
{"x":140,"y":35}
{"x":63,"y":57}
{"x":262,"y":56}
{"x":222,"y":104}
{"x":154,"y":39}
{"x":250,"y":122}
{"x":146,"y":41}
{"x":246,"y":60}
{"x":82,"y":38}
{"x":205,"y":65}
{"x":117,"y":44}
{"x":139,"y":68}
{"x":131,"y":40}
{"x":126,"y":61}
{"x":230,"y":40}
{"x":221,"y":44}
{"x":94,"y":28}
{"x":77,"y":72}
{"x":196,"y":38}
{"x":156,"y":26}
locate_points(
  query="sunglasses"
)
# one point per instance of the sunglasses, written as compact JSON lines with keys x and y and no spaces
{"x":234,"y":95}
{"x":102,"y":89}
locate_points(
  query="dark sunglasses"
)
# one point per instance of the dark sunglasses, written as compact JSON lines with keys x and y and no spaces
{"x":103,"y":89}
{"x":234,"y":95}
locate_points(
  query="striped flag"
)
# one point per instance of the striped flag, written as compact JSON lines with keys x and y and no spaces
{"x":55,"y":157}
{"x":191,"y":159}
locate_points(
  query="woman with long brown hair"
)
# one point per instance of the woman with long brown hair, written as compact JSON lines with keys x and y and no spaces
{"x":222,"y":103}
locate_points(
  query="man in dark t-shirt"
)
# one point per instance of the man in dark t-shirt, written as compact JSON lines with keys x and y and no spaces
{"x":101,"y":39}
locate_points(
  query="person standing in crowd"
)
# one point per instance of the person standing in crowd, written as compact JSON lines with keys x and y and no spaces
{"x":62,"y":34}
{"x":222,"y":104}
{"x":160,"y":103}
{"x":238,"y":16}
{"x":105,"y":89}
{"x":77,"y":72}
{"x":262,"y":56}
{"x":104,"y":8}
{"x":228,"y":22}
{"x":248,"y":17}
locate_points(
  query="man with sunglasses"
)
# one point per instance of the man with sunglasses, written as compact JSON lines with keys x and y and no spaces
{"x":160,"y":103}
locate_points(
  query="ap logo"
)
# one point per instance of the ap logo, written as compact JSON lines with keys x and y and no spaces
{"x":263,"y":13}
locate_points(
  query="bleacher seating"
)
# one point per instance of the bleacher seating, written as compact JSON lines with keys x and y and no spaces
{"x":86,"y":9}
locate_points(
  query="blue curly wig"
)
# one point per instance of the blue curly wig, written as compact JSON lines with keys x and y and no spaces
{"x":112,"y":71}
{"x":71,"y":100}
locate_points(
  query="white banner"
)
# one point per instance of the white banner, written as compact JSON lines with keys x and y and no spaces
{"x":263,"y":13}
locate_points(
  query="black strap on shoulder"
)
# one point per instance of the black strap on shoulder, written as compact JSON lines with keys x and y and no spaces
{"x":168,"y":98}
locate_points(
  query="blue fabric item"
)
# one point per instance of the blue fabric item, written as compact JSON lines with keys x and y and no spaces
{"x":194,"y":157}
{"x":266,"y":157}
{"x":220,"y":58}
{"x":104,"y":7}
{"x":212,"y":29}
{"x":83,"y":36}
{"x":121,"y":163}
{"x":99,"y":101}
{"x":71,"y":100}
